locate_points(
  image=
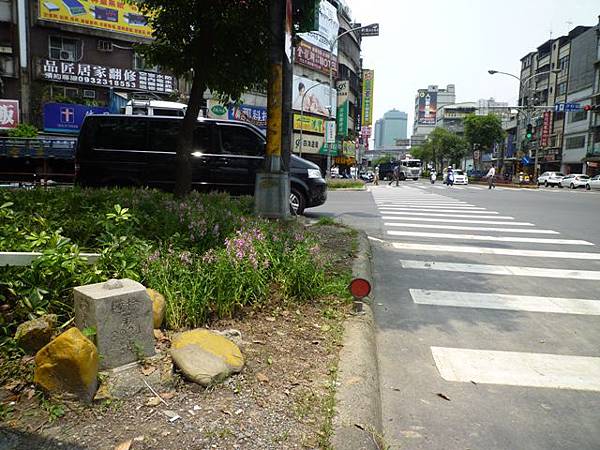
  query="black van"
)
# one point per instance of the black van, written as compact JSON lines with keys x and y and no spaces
{"x":127,"y":150}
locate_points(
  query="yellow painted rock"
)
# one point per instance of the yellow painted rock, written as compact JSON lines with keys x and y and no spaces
{"x":158,"y":307}
{"x":212,"y":343}
{"x":68,"y":364}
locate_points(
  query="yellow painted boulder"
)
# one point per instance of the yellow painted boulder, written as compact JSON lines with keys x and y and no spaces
{"x":213,"y":343}
{"x":158,"y":307}
{"x":68,"y":364}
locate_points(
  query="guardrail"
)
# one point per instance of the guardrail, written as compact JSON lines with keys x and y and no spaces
{"x":41,"y":148}
{"x":20,"y":259}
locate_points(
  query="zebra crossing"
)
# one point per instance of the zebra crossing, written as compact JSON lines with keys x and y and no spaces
{"x":417,"y":220}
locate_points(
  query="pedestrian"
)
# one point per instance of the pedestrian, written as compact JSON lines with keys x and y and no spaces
{"x":433,"y":176}
{"x":450,"y":178}
{"x":395,"y":175}
{"x":491,"y":176}
{"x":376,"y":181}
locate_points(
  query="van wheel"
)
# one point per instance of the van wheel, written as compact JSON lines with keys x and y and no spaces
{"x":415,"y":179}
{"x":297,"y":202}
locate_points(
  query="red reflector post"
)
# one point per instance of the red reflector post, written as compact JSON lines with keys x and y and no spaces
{"x":360,"y":288}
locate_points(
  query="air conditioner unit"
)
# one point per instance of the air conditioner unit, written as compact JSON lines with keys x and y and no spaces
{"x":105,"y":46}
{"x":89,"y":93}
{"x":66,"y":55}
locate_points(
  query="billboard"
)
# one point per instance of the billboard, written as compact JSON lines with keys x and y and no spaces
{"x":427,"y":107}
{"x":546,"y":128}
{"x":343,"y":90}
{"x":308,"y":123}
{"x":328,"y":28}
{"x":367,"y":97}
{"x":111,"y":15}
{"x":67,"y":117}
{"x":316,"y":58}
{"x":256,"y":115}
{"x":96,"y":75}
{"x":313,"y":95}
{"x":308,"y":144}
{"x":9,"y":114}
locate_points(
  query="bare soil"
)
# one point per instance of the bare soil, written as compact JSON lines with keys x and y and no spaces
{"x":283,"y":399}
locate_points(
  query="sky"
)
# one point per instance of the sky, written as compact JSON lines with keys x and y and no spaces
{"x":442,"y":42}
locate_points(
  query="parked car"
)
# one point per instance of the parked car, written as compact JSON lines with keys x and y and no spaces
{"x":593,"y":183}
{"x":129,"y":150}
{"x":574,"y":181}
{"x":367,"y":176}
{"x":460,"y":177}
{"x":550,"y":179}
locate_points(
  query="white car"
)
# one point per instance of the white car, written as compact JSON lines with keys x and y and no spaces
{"x":574,"y":181}
{"x":593,"y":183}
{"x":550,"y":179}
{"x":460,"y":177}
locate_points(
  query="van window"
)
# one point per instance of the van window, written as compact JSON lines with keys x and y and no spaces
{"x":202,"y":139}
{"x":119,"y":133}
{"x":168,"y":112}
{"x":163,"y":135}
{"x":236,"y":140}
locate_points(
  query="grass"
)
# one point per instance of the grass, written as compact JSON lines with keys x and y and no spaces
{"x":326,"y":220}
{"x":345,"y":184}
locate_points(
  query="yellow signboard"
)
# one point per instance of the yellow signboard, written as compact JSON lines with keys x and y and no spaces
{"x":310,"y":124}
{"x":111,"y":15}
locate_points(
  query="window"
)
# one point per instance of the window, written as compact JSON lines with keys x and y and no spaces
{"x":168,"y":112}
{"x":577,"y":116}
{"x":561,"y":89}
{"x":64,"y":91}
{"x":120,"y":133}
{"x":202,"y":139}
{"x":163,"y":135}
{"x":64,"y":49}
{"x":240,"y":141}
{"x":139,"y":63}
{"x":575,"y":142}
{"x":563,"y":63}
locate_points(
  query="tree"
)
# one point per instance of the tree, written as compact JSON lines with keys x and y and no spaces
{"x":383,"y":159}
{"x":223,"y":44}
{"x":446,"y":146}
{"x":483,"y":131}
{"x":423,"y":152}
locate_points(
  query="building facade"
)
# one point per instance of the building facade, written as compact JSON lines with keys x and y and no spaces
{"x":61,"y":66}
{"x":427,"y":102}
{"x":390,"y":128}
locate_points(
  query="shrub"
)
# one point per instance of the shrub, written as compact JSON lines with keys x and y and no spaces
{"x":337,"y":183}
{"x":23,"y":130}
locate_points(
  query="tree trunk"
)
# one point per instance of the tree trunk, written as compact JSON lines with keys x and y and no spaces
{"x":185,"y":140}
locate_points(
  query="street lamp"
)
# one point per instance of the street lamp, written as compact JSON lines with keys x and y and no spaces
{"x":528,"y":110}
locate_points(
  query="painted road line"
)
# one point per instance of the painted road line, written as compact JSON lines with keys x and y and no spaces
{"x":502,"y":270}
{"x":459,"y":227}
{"x":428,"y":219}
{"x":542,"y":370}
{"x":448,"y":210}
{"x":430,"y":214}
{"x":409,"y":246}
{"x":431,"y":205}
{"x":506,"y":302}
{"x":479,"y":237}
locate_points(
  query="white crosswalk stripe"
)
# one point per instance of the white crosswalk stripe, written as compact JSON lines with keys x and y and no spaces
{"x":506,"y":302}
{"x":416,"y":216}
{"x":459,"y":227}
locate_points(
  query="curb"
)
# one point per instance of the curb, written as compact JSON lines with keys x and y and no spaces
{"x":357,"y":423}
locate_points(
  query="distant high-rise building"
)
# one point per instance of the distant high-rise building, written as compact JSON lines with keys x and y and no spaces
{"x":390,"y":128}
{"x":489,"y":105}
{"x":427,"y":102}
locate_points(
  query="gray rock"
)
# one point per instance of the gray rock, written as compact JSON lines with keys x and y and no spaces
{"x":200,"y":366}
{"x":34,"y":334}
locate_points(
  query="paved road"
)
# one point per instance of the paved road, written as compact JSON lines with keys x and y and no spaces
{"x":488,"y":311}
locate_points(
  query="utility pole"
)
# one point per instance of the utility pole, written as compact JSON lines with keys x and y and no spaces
{"x":272,"y":190}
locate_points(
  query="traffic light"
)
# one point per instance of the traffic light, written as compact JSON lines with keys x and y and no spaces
{"x":593,"y":108}
{"x":306,"y":15}
{"x":529,"y":132}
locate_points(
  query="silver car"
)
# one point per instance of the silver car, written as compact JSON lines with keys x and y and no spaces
{"x":574,"y":181}
{"x":550,"y":179}
{"x":593,"y":183}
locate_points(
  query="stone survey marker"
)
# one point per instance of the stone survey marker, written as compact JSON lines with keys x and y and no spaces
{"x":120,"y":311}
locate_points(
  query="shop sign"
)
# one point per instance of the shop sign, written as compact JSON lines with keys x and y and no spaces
{"x":546,"y":128}
{"x":367,"y":97}
{"x":309,"y":143}
{"x":309,"y":124}
{"x":118,"y":16}
{"x":345,"y":160}
{"x":328,"y":28}
{"x":67,"y":117}
{"x":316,"y":58}
{"x":255,"y":115}
{"x":330,"y":132}
{"x":96,"y":75}
{"x":343,"y":91}
{"x":9,"y":114}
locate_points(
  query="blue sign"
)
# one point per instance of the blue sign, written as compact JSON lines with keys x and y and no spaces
{"x":67,"y":117}
{"x":567,"y":107}
{"x":525,"y":160}
{"x":256,"y":115}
